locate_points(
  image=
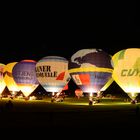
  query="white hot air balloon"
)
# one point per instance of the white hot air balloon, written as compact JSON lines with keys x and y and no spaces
{"x":52,"y":73}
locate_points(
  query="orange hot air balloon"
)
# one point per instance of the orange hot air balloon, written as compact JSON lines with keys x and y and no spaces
{"x":78,"y":93}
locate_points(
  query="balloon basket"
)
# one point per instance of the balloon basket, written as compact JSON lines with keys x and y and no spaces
{"x":90,"y":102}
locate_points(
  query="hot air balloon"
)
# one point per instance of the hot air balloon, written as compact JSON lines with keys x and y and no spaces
{"x":9,"y":80}
{"x":90,"y":69}
{"x":25,"y":76}
{"x":78,"y":93}
{"x":109,"y":82}
{"x":2,"y":83}
{"x":127,"y":71}
{"x":52,"y":73}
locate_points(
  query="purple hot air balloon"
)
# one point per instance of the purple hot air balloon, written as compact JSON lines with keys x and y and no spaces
{"x":25,"y":76}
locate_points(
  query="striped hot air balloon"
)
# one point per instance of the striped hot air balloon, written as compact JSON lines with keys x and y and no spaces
{"x":25,"y":76}
{"x":52,"y":73}
{"x":90,"y":69}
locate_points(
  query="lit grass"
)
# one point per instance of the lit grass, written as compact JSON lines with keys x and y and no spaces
{"x":69,"y":104}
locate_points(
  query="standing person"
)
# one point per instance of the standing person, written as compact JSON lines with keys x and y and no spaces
{"x":9,"y":105}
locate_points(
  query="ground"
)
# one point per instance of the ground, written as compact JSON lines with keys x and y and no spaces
{"x":71,"y":113}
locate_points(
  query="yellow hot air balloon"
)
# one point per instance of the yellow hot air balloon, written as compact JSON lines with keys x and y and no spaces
{"x":8,"y":78}
{"x":127,"y":71}
{"x":2,"y":83}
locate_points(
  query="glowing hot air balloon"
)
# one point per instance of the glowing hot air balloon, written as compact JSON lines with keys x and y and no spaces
{"x":25,"y":76}
{"x":90,"y":69}
{"x":78,"y":93}
{"x":127,"y":71}
{"x":9,"y":80}
{"x":2,"y":83}
{"x":109,"y":82}
{"x":52,"y":73}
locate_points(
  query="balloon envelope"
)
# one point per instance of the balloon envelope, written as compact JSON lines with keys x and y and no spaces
{"x":109,"y":82}
{"x":25,"y":76}
{"x":2,"y":83}
{"x":127,"y":70}
{"x":90,"y":69}
{"x":78,"y":92}
{"x":52,"y":73}
{"x":66,"y":87}
{"x":8,"y":77}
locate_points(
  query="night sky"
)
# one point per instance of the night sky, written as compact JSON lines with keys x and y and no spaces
{"x":34,"y":38}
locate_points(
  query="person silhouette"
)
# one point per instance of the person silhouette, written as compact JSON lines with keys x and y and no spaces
{"x":9,"y":105}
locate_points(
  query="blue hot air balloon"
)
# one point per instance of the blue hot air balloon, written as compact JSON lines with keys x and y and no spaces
{"x":25,"y":76}
{"x":90,"y":69}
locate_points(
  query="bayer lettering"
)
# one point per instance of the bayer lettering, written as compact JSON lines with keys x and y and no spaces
{"x":130,"y":72}
{"x":46,"y":74}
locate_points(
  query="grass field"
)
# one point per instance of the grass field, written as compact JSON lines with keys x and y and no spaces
{"x":72,"y":112}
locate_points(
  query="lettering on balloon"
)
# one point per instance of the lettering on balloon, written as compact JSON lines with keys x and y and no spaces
{"x":45,"y":71}
{"x":130,"y":72}
{"x":24,"y":75}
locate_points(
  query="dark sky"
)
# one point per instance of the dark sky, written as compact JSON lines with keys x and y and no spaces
{"x":31,"y":37}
